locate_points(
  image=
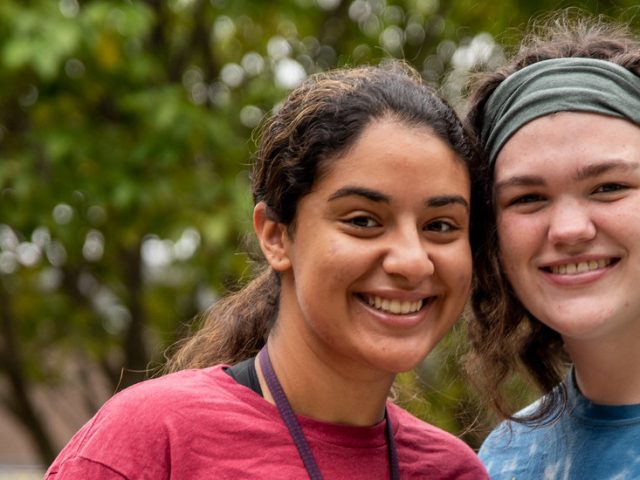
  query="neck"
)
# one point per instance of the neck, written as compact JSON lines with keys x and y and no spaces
{"x":323,"y":391}
{"x":607,"y":372}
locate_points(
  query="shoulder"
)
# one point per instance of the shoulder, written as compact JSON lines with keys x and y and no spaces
{"x":167,"y":402}
{"x":509,"y":435}
{"x":154,"y":401}
{"x":178,"y":384}
{"x":148,"y":420}
{"x":413,"y":429}
{"x":505,"y":437}
{"x":515,"y":447}
{"x":434,"y":449}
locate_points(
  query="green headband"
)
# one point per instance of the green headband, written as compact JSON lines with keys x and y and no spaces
{"x":558,"y":85}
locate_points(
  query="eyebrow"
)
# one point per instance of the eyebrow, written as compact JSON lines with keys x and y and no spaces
{"x":367,"y":193}
{"x":520,"y":181}
{"x":375,"y":196}
{"x":583,"y":173}
{"x":601,"y":168}
{"x":444,"y":200}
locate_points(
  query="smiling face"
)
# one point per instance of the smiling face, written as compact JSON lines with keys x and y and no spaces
{"x":378,"y":266}
{"x":567,"y":190}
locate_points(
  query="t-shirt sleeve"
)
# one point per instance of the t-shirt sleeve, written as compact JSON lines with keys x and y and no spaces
{"x":507,"y":451}
{"x":79,"y":468}
{"x":127,"y":438}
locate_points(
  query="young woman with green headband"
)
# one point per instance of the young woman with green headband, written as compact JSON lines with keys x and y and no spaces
{"x":558,"y":262}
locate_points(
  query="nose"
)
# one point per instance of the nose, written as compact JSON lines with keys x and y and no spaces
{"x":407,"y":256}
{"x":571,"y":223}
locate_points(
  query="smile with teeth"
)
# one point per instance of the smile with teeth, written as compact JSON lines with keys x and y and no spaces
{"x":581,"y":267}
{"x":397,"y":307}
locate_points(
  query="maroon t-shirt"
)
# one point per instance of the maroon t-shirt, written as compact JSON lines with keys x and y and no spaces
{"x":201,"y":424}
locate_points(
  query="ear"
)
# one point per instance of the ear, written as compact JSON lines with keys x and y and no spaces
{"x":273,"y":238}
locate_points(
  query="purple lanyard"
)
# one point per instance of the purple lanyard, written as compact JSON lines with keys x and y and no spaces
{"x":289,"y":418}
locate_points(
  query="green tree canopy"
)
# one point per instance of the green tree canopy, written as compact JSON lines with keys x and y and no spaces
{"x":125,"y":136}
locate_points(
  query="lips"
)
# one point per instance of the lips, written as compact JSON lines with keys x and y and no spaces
{"x":577,"y":268}
{"x":394,"y":306}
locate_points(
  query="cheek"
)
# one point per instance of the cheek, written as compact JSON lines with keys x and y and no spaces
{"x":518,"y":246}
{"x":347,"y":255}
{"x":335,"y":262}
{"x":456,"y":268}
{"x":513,"y":240}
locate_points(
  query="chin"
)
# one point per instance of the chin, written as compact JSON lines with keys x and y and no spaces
{"x":583,"y":330}
{"x":403,"y":362}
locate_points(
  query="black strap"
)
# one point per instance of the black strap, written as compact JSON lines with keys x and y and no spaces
{"x":394,"y":463}
{"x":245,"y":374}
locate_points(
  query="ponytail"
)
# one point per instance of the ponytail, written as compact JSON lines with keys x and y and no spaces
{"x":233,"y":329}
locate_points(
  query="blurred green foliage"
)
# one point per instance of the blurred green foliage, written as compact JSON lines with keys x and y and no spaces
{"x":125,"y":135}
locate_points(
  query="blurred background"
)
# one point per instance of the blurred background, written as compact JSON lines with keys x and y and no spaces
{"x":126,"y":131}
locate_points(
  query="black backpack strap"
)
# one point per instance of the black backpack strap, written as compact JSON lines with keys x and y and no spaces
{"x":245,"y":374}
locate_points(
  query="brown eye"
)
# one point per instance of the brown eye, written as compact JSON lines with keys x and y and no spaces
{"x":528,"y":198}
{"x":609,"y":187}
{"x":363,"y":222}
{"x":441,"y":226}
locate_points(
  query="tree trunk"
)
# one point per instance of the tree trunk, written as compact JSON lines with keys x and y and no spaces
{"x":18,"y":401}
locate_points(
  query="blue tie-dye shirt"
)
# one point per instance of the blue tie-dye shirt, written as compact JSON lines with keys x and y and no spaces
{"x":589,"y":441}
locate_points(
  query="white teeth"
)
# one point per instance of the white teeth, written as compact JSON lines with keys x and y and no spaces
{"x":582,"y":267}
{"x":397,"y":307}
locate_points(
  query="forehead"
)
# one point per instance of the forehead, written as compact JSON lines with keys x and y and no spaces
{"x":388,"y":149}
{"x":567,"y":141}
